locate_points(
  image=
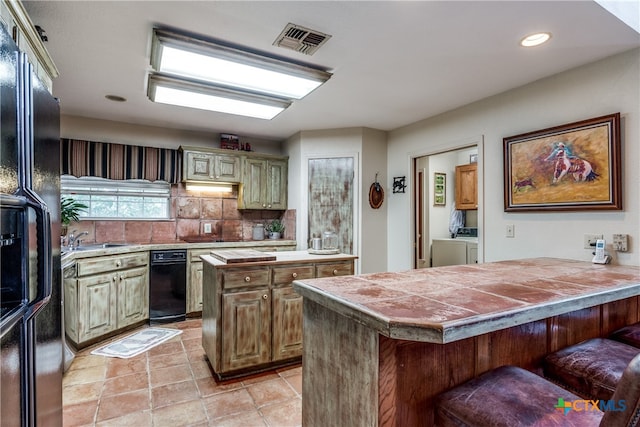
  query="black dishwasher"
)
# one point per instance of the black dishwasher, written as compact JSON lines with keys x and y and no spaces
{"x":167,"y":286}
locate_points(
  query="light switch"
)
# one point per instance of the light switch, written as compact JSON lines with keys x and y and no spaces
{"x":620,"y":242}
{"x":207,"y":228}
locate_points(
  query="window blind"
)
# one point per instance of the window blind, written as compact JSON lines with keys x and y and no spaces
{"x":119,"y":161}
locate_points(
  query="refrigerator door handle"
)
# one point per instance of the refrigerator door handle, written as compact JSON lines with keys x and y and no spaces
{"x":45,"y":258}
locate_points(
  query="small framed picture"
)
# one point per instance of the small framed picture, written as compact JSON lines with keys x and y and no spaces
{"x":473,"y":158}
{"x":439,"y":189}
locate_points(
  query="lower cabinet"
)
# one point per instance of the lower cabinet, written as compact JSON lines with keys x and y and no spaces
{"x":97,"y":298}
{"x":246,"y":323}
{"x":252,"y":317}
{"x":287,"y":323}
{"x":107,"y":294}
{"x":194,"y":280}
{"x":132,"y":296}
{"x":194,"y":274}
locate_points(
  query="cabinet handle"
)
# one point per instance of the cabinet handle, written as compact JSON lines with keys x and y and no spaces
{"x":121,"y":278}
{"x":118,"y":263}
{"x":335,"y":272}
{"x":295,"y":275}
{"x":264,"y":206}
{"x":265,"y":296}
{"x":247,"y":279}
{"x":269,"y":206}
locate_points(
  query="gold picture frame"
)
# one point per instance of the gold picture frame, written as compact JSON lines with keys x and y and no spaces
{"x":565,"y":168}
{"x":439,"y":189}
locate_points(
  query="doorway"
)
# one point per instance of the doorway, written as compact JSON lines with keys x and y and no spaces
{"x":434,"y":198}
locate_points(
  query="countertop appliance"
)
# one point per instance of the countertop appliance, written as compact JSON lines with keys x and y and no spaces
{"x":168,"y":286}
{"x":31,"y":314}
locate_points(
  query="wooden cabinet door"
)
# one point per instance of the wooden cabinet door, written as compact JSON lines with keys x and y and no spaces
{"x":264,"y":184}
{"x":246,"y":324}
{"x":194,"y":295}
{"x":97,"y":312}
{"x":254,"y":184}
{"x":276,"y":192}
{"x":199,"y":166}
{"x":227,"y":168}
{"x":287,"y":323}
{"x":133,"y":296}
{"x":70,"y":302}
{"x":467,"y":187}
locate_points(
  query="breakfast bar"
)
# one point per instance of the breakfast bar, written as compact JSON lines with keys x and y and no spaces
{"x":378,"y":348}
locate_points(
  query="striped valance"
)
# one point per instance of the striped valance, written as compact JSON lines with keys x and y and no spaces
{"x":119,"y":161}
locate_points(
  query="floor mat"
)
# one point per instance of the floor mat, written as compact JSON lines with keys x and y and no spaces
{"x":137,"y":343}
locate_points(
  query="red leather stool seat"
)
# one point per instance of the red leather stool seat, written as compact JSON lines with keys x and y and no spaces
{"x":591,"y":368}
{"x":629,"y":335}
{"x":511,"y":397}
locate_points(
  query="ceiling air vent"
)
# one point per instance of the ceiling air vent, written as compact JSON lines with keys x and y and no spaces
{"x":301,"y":39}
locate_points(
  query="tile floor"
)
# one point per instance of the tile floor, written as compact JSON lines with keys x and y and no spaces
{"x":172,"y":385}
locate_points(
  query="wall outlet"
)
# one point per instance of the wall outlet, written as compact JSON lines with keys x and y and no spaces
{"x":620,"y":242}
{"x":207,"y":228}
{"x":590,"y":240}
{"x":510,"y":230}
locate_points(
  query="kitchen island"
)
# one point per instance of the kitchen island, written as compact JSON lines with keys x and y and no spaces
{"x":379,"y":347}
{"x":251,"y":317}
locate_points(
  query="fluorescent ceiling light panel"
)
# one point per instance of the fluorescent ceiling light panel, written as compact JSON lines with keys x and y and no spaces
{"x":184,"y":93}
{"x":204,"y":60}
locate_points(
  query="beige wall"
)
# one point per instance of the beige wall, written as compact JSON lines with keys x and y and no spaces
{"x":368,"y":147}
{"x":605,"y":87}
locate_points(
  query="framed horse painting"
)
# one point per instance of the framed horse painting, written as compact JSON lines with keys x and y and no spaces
{"x":565,"y":168}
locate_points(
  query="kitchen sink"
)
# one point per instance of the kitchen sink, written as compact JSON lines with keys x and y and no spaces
{"x":95,"y":246}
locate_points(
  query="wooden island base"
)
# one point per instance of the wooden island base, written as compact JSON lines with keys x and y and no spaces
{"x":355,"y":375}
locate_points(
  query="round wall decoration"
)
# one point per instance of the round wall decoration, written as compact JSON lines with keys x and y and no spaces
{"x":376,"y":195}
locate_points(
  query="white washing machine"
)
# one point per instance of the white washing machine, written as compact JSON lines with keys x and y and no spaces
{"x":454,"y":251}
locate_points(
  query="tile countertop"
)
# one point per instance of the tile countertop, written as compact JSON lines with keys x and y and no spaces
{"x":446,"y":304}
{"x":128,"y":248}
{"x":284,"y":257}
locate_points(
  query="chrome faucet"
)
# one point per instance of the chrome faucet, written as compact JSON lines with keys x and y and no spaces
{"x":73,"y":240}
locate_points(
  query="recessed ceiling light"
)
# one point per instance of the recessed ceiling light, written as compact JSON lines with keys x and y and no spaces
{"x":535,"y":39}
{"x":115,"y":98}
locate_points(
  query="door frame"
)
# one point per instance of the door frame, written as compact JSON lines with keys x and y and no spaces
{"x":303,"y":227}
{"x":477,"y":141}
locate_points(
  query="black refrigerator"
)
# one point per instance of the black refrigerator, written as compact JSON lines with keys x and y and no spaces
{"x":31,"y":352}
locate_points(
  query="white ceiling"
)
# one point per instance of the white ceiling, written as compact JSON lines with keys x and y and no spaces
{"x":393,"y":62}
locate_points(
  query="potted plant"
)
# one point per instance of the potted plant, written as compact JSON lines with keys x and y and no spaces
{"x":275,"y":229}
{"x":70,"y":210}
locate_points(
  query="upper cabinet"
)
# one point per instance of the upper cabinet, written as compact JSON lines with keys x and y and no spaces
{"x":264,"y":183}
{"x":200,"y":166}
{"x":262,"y":178}
{"x":15,"y":19}
{"x":467,"y":187}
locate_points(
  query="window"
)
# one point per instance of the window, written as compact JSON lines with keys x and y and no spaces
{"x":111,"y":199}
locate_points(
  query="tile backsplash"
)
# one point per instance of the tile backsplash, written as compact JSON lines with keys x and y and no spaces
{"x":190,"y":214}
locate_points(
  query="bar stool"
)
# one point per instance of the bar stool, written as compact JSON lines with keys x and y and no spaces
{"x":513,"y":397}
{"x":629,"y":335}
{"x":592,"y":368}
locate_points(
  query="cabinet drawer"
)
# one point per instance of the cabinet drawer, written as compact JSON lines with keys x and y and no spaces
{"x":245,"y":277}
{"x":334,"y":269}
{"x":289,"y":274}
{"x":107,"y":264}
